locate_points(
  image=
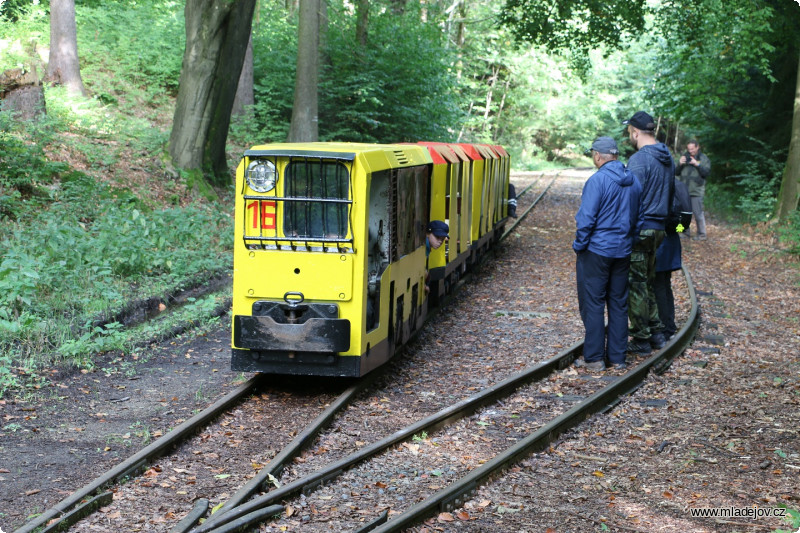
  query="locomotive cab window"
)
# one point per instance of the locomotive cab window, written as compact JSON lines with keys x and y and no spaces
{"x":320,"y":205}
{"x":298,"y":202}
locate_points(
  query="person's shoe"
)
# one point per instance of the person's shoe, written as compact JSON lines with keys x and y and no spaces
{"x":639,"y":347}
{"x":620,"y":366}
{"x":700,"y":238}
{"x":658,"y":341}
{"x":594,"y":366}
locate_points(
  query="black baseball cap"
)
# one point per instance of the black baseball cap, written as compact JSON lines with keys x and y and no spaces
{"x":641,"y":121}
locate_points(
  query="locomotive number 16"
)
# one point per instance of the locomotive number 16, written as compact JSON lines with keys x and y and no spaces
{"x":266,"y":210}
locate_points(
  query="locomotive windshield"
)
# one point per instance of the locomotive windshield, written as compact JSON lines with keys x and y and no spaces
{"x":319,"y":200}
{"x":297,"y":200}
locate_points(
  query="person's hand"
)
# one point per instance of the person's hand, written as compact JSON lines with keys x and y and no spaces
{"x":683,"y":160}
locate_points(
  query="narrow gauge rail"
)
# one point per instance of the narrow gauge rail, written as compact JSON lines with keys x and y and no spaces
{"x":87,"y":499}
{"x":234,"y":504}
{"x":454,"y":495}
{"x":597,"y":400}
{"x":235,"y":516}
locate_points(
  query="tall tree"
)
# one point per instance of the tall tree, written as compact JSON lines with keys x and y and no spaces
{"x":63,"y":66}
{"x":217,"y":33}
{"x":789,"y":196}
{"x":305,"y":124}
{"x":245,"y":96}
{"x":362,"y":22}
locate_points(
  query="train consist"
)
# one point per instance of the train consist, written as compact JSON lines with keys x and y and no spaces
{"x":330,"y":257}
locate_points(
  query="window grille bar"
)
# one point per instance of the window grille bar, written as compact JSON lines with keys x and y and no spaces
{"x":300,"y":199}
{"x":299,"y":239}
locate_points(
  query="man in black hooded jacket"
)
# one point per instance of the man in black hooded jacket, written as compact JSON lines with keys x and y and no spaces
{"x":652,"y":164}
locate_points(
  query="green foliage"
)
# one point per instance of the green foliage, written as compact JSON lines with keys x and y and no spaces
{"x":790,"y":233}
{"x":26,"y":169}
{"x":78,"y":244}
{"x":365,"y":94}
{"x":575,"y":26}
{"x":134,"y":44}
{"x":95,"y":340}
{"x":59,"y":271}
{"x":759,"y":180}
{"x":12,"y":10}
{"x":274,"y":66}
{"x":727,"y":72}
{"x":369,"y":94}
{"x":792,"y":518}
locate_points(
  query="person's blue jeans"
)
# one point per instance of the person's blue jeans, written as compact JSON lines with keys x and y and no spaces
{"x":603,"y":284}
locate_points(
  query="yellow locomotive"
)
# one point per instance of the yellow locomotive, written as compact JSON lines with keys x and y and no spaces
{"x":330,"y":258}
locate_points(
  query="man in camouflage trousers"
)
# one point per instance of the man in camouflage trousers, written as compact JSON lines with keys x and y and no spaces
{"x":652,"y":164}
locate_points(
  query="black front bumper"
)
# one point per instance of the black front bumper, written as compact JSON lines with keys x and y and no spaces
{"x":263,"y":333}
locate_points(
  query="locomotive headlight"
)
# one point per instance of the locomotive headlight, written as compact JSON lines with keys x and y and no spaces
{"x":261,"y":176}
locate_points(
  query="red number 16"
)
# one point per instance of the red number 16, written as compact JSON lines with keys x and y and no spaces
{"x":267,"y":214}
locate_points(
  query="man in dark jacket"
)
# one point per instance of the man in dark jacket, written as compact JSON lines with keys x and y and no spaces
{"x":652,"y":164}
{"x":693,"y":169}
{"x":607,"y":221}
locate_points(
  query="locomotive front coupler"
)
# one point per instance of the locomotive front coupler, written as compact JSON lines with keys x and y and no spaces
{"x":293,"y":311}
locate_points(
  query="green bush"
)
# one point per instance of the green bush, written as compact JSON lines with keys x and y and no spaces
{"x":789,"y":233}
{"x":759,"y":180}
{"x":368,"y":94}
{"x":59,"y":271}
{"x":26,"y":171}
{"x":141,"y":43}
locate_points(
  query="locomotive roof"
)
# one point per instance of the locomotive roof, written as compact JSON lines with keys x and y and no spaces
{"x":401,"y":153}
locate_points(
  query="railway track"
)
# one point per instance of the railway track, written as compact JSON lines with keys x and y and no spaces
{"x":602,"y":397}
{"x":252,"y":504}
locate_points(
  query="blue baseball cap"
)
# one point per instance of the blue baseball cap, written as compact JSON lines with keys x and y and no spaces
{"x":438,"y":228}
{"x":604,"y":145}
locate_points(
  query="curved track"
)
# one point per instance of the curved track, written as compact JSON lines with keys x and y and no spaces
{"x":454,"y":495}
{"x":245,"y":508}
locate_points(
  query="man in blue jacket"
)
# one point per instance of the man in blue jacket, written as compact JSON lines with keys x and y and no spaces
{"x":607,"y":221}
{"x":652,"y":164}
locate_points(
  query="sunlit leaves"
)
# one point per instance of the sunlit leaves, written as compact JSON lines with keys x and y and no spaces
{"x":579,"y":25}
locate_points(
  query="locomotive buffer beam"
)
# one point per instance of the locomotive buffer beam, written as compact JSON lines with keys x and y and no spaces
{"x":276,"y":326}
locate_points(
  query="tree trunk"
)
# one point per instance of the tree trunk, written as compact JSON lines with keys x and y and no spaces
{"x":489,"y":96}
{"x":245,"y":97}
{"x":362,"y":22}
{"x":324,"y":22}
{"x":305,"y":126}
{"x":461,"y":35}
{"x":398,"y":7}
{"x":217,"y":32}
{"x":789,"y":196}
{"x":63,"y":67}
